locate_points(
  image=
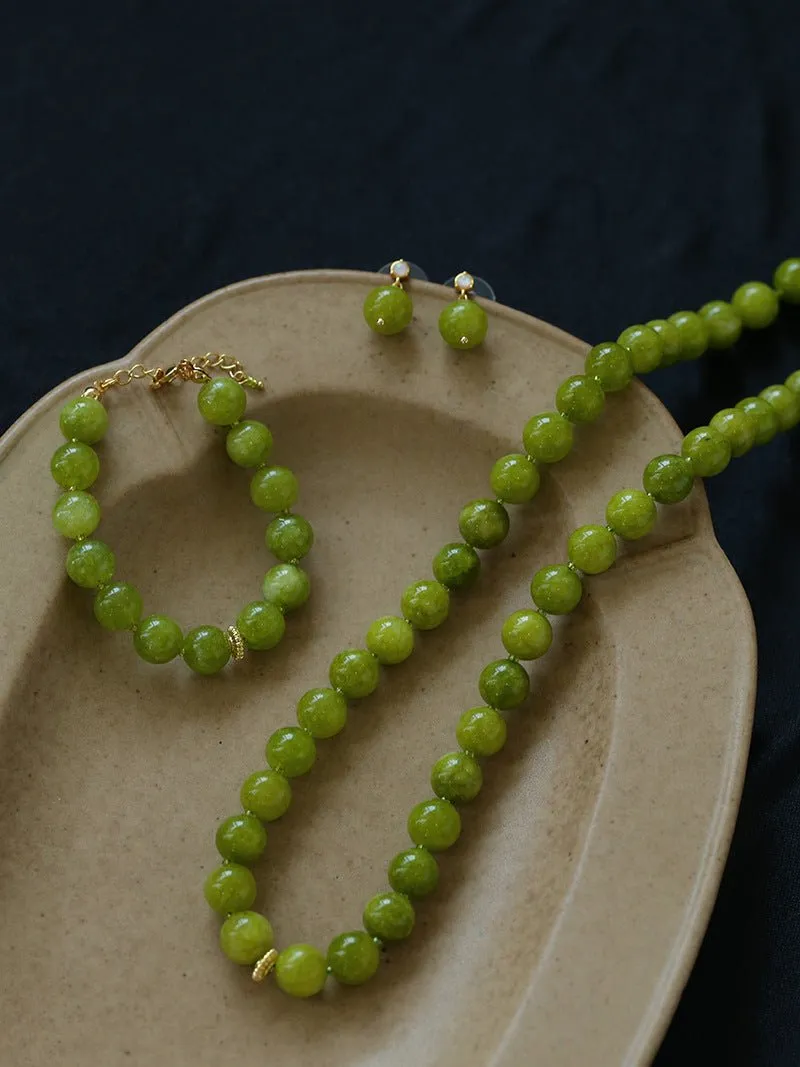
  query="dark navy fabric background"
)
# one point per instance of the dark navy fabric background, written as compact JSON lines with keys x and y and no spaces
{"x":600,"y":164}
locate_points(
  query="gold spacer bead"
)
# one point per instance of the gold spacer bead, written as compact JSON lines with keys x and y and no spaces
{"x":265,"y":965}
{"x":236,"y":641}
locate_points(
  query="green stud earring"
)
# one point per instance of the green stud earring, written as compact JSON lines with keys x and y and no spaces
{"x":388,"y":309}
{"x":463,"y":324}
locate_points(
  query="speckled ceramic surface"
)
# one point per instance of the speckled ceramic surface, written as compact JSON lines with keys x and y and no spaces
{"x":570,"y":911}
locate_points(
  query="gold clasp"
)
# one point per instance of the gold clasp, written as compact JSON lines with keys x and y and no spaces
{"x":196,"y":369}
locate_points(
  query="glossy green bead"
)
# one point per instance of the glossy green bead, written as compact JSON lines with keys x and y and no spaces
{"x":526,"y":634}
{"x":118,"y":606}
{"x":693,"y":333}
{"x":504,"y":684}
{"x":483,"y":523}
{"x":245,"y":937}
{"x":785,"y":403}
{"x":669,"y":479}
{"x":388,"y":309}
{"x":763,"y":415}
{"x":206,"y":649}
{"x":83,"y":419}
{"x":414,"y":872}
{"x":291,"y":751}
{"x":76,"y":514}
{"x":456,"y":777}
{"x":434,"y":824}
{"x":515,"y":479}
{"x":463,"y":324}
{"x":724,"y":325}
{"x":425,"y":604}
{"x":556,"y":589}
{"x":787,"y":281}
{"x":229,"y":888}
{"x":289,"y":537}
{"x":670,"y":340}
{"x":793,"y":381}
{"x":389,"y":916}
{"x":737,"y":427}
{"x":390,"y":639}
{"x":158,"y":639}
{"x":610,"y":364}
{"x":222,"y":401}
{"x":248,"y":443}
{"x":273,"y":488}
{"x":267,"y":794}
{"x":301,"y":971}
{"x":456,"y":565}
{"x":353,"y":958}
{"x":481,"y":731}
{"x":90,"y":564}
{"x":355,"y":672}
{"x":548,"y":437}
{"x":592,"y":549}
{"x":323,"y":712}
{"x":707,"y":450}
{"x":756,"y":304}
{"x":75,"y":465}
{"x":241,"y":838}
{"x":261,"y":625}
{"x":286,"y":586}
{"x":644,"y":346}
{"x":631,"y":514}
{"x":580,"y":398}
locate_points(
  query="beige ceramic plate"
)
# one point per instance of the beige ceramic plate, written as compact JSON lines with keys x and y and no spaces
{"x":571,"y":909}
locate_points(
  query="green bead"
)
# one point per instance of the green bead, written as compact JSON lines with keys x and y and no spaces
{"x":556,"y":589}
{"x":158,"y":639}
{"x":669,"y":479}
{"x":353,"y":958}
{"x":83,"y":419}
{"x":245,"y":937}
{"x":301,"y":971}
{"x":286,"y":586}
{"x":425,"y":604}
{"x":261,"y":625}
{"x":76,"y":514}
{"x":291,"y":751}
{"x":456,"y":777}
{"x":249,"y":443}
{"x":515,"y":479}
{"x":456,"y":565}
{"x":273,"y":488}
{"x":785,"y":404}
{"x":388,"y":309}
{"x":241,"y":838}
{"x":222,"y":401}
{"x":75,"y":465}
{"x":481,"y":731}
{"x":463,"y":324}
{"x":206,"y":649}
{"x":670,"y":340}
{"x":631,"y":514}
{"x":434,"y":824}
{"x":707,"y":450}
{"x":645,"y":348}
{"x":355,"y":672}
{"x":90,"y":564}
{"x":610,"y":364}
{"x":483,"y":523}
{"x":504,"y":684}
{"x":793,"y":381}
{"x":414,"y":872}
{"x":580,"y":398}
{"x":548,"y":437}
{"x":118,"y":606}
{"x":230,"y":887}
{"x":323,"y":712}
{"x":737,"y":427}
{"x":526,"y":634}
{"x":763,"y":415}
{"x":724,"y":325}
{"x":756,"y":304}
{"x":266,"y":794}
{"x":390,"y":639}
{"x":592,"y":549}
{"x":787,"y":281}
{"x":389,"y":916}
{"x":289,"y":537}
{"x":693,"y":333}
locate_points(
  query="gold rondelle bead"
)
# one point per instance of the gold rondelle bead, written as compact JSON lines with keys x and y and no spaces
{"x":265,"y":965}
{"x":236,"y":642}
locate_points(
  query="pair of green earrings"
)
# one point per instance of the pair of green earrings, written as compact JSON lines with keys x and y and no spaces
{"x":388,"y":309}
